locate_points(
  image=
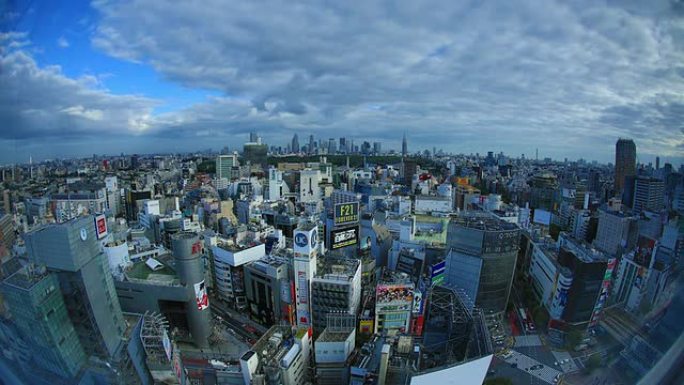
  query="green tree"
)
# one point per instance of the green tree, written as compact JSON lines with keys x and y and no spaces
{"x":572,"y":339}
{"x":554,"y":230}
{"x":541,"y":317}
{"x":498,"y":381}
{"x":593,"y":363}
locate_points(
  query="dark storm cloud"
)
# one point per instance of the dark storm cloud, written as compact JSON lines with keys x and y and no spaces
{"x":498,"y":69}
{"x":465,"y":76}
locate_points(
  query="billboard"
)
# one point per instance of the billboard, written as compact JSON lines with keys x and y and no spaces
{"x":437,"y":272}
{"x":166,"y":342}
{"x":344,"y":237}
{"x":201,"y":295}
{"x":346,"y":213}
{"x":303,"y":294}
{"x":366,"y":326}
{"x":365,"y":243}
{"x":542,"y":217}
{"x":394,"y":297}
{"x":417,"y":302}
{"x":100,"y":226}
{"x":603,"y":294}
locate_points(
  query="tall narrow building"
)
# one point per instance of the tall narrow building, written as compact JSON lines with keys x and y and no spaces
{"x":71,"y":250}
{"x":295,"y":143}
{"x":625,"y":163}
{"x":38,"y":312}
{"x":224,"y":167}
{"x":404,"y":146}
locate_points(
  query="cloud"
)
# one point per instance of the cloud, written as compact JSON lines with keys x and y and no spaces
{"x":518,"y":74}
{"x":42,"y":104}
{"x":62,"y":42}
{"x":567,"y":78}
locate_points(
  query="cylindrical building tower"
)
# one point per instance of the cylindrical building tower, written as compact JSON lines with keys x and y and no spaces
{"x":186,"y":248}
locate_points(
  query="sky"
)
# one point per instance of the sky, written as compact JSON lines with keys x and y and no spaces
{"x":143,"y":76}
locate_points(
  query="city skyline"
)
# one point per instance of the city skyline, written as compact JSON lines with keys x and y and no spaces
{"x":568,"y":80}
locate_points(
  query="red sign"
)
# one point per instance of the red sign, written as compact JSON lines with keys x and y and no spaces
{"x":101,"y":226}
{"x":196,"y":247}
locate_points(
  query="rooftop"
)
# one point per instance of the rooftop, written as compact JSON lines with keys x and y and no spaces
{"x":337,"y":336}
{"x":22,"y":279}
{"x":141,"y":270}
{"x":482,"y":221}
{"x":337,"y":267}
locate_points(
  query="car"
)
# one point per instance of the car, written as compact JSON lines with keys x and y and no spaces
{"x":491,"y":372}
{"x":514,"y":365}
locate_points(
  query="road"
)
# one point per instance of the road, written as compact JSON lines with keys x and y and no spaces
{"x":236,"y":322}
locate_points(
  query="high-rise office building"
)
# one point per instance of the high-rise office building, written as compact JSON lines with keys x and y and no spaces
{"x":336,"y":288}
{"x":404,"y":146}
{"x":648,"y":194}
{"x":332,"y":146}
{"x":71,"y":250}
{"x":37,"y":310}
{"x":267,"y":288}
{"x":625,"y":162}
{"x":311,"y":144}
{"x":255,"y":153}
{"x":496,"y":243}
{"x":295,"y":144}
{"x":305,"y":254}
{"x":617,"y":230}
{"x":224,"y":166}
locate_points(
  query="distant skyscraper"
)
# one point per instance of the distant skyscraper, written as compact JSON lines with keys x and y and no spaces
{"x":625,"y":163}
{"x":311,"y":144}
{"x":224,"y":165}
{"x":377,"y":148}
{"x":657,"y":163}
{"x":332,"y":146}
{"x":404,"y":146}
{"x":343,"y":145}
{"x":295,"y":144}
{"x":253,"y":137}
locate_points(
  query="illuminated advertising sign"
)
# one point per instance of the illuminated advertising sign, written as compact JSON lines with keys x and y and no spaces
{"x":196,"y":247}
{"x":285,"y":294}
{"x":365,"y":243}
{"x":201,"y":295}
{"x":366,"y":326}
{"x":301,"y":239}
{"x":603,"y":294}
{"x":417,"y":302}
{"x":344,"y":237}
{"x":346,"y":213}
{"x":560,"y":296}
{"x":303,"y":295}
{"x":394,"y":297}
{"x":166,"y":342}
{"x":437,"y":272}
{"x":100,"y":226}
